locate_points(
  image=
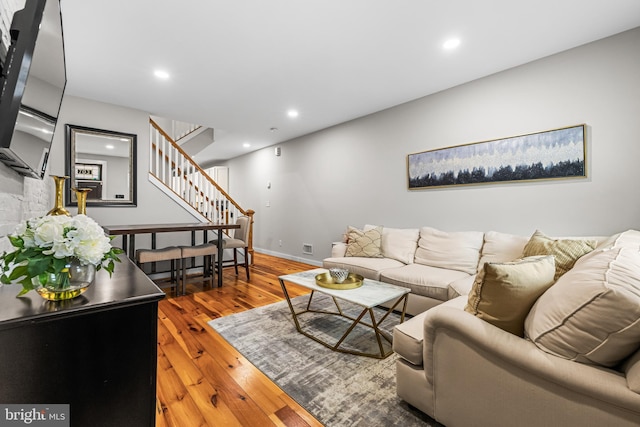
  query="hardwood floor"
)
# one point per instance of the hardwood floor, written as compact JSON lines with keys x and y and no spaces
{"x":204,"y":381}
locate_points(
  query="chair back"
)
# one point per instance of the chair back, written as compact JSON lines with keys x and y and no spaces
{"x":242,"y":233}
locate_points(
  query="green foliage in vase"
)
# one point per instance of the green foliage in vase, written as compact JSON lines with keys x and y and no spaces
{"x":45,"y":246}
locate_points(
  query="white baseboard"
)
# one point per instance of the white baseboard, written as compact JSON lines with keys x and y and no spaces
{"x":287,"y":256}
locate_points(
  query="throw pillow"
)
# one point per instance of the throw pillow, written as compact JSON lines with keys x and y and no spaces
{"x":565,"y":251}
{"x":451,"y":250}
{"x":592,"y":313}
{"x":364,"y":243}
{"x":503,"y":293}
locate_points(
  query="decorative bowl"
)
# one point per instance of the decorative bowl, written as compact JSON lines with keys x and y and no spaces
{"x":338,"y":274}
{"x":351,"y":282}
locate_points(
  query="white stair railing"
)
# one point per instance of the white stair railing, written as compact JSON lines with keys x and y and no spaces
{"x":182,"y":129}
{"x":171,"y":166}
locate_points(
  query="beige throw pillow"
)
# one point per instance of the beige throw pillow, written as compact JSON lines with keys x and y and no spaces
{"x":503,"y":293}
{"x":592,"y":313}
{"x":565,"y":251}
{"x":362,"y":243}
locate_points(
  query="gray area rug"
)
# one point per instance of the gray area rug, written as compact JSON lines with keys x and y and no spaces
{"x":338,"y":389}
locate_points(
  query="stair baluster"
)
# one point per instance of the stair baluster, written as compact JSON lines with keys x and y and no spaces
{"x":176,"y":173}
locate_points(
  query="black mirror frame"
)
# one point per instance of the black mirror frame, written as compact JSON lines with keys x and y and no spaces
{"x":70,"y":162}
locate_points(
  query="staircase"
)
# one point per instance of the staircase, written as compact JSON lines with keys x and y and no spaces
{"x":175,"y":173}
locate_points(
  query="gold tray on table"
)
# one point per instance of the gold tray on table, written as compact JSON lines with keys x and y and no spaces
{"x":352,"y":281}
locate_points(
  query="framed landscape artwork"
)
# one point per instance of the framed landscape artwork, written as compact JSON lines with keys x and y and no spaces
{"x":553,"y":154}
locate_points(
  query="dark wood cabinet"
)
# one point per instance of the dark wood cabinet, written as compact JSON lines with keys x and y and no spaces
{"x":97,"y":352}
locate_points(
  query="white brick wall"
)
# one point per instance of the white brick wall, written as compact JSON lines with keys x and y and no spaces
{"x":21,"y":198}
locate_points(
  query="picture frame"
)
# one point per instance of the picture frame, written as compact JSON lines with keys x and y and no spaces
{"x":553,"y":154}
{"x":88,"y":171}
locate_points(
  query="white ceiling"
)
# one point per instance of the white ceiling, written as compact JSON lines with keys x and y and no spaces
{"x":239,"y":65}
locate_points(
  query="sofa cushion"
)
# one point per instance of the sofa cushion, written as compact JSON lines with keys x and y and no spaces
{"x":423,"y":280}
{"x":592,"y":313}
{"x":629,"y":238}
{"x":364,"y":243}
{"x":454,"y":251}
{"x":408,"y":337}
{"x":501,"y":247}
{"x":566,"y":251}
{"x":399,"y":243}
{"x":368,"y":268}
{"x":503,"y":293}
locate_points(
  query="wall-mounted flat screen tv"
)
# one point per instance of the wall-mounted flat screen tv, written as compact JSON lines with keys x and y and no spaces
{"x":32,"y":82}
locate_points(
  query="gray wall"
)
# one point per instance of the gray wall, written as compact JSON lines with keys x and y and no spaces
{"x":153,"y":206}
{"x":355,"y":173}
{"x":22,"y":198}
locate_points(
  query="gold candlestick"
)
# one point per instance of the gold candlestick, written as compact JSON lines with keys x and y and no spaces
{"x":58,"y":209}
{"x":81,"y":195}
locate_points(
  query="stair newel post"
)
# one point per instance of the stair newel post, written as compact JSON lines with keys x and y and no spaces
{"x":250,"y":214}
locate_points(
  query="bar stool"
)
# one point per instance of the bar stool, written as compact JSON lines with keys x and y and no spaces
{"x":171,"y":253}
{"x":208,"y":252}
{"x":240,"y":240}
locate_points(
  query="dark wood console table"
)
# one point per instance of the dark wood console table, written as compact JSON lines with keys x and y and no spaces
{"x":97,"y":352}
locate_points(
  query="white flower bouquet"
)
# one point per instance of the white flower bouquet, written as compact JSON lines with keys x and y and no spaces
{"x":45,"y":246}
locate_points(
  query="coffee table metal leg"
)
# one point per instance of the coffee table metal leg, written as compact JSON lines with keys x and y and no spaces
{"x":293,"y":311}
{"x":375,"y":325}
{"x":353,"y":325}
{"x":377,"y":331}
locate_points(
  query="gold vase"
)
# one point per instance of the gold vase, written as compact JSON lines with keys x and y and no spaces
{"x":81,"y":195}
{"x":58,"y":208}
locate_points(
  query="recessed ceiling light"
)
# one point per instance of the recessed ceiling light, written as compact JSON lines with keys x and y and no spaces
{"x":451,"y":44}
{"x":161,"y":74}
{"x":109,"y":147}
{"x":292,"y":113}
{"x":246,"y":145}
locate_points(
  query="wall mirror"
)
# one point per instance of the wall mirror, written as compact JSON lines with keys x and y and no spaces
{"x":105,"y":162}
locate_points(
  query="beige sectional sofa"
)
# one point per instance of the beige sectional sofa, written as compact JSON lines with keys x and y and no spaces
{"x":435,"y":265}
{"x":577,"y":362}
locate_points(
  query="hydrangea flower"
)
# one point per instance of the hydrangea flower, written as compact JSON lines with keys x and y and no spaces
{"x":46,"y":244}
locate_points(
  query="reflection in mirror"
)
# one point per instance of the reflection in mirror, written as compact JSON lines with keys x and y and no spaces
{"x":105,"y":162}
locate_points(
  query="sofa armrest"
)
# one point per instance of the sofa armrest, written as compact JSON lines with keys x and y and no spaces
{"x":482,"y":349}
{"x":338,"y":249}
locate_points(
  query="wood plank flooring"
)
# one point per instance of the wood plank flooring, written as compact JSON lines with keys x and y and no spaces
{"x":204,"y":381}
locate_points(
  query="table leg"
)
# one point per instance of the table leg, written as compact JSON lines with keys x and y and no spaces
{"x":293,"y":311}
{"x":125,"y":237}
{"x":219,"y":257}
{"x":132,"y":246}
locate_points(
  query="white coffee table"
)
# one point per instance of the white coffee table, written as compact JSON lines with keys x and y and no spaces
{"x":371,"y":294}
